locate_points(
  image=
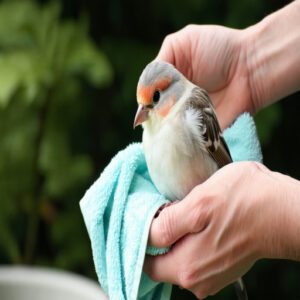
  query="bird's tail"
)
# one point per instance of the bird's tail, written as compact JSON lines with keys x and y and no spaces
{"x":240,"y":289}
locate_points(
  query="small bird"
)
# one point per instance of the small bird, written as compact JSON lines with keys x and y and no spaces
{"x":182,"y":139}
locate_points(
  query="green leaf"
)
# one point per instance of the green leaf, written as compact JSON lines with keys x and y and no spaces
{"x":9,"y":80}
{"x":94,"y":64}
{"x":38,"y":52}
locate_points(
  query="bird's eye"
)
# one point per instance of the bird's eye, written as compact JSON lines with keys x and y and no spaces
{"x":156,"y":96}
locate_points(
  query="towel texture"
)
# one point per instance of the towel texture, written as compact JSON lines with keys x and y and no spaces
{"x":119,"y":207}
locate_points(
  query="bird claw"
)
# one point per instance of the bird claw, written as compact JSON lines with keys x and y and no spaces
{"x":164,"y":206}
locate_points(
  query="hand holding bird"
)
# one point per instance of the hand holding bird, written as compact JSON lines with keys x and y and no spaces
{"x":215,"y":58}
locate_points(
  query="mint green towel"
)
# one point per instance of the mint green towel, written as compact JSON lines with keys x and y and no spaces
{"x":119,"y":207}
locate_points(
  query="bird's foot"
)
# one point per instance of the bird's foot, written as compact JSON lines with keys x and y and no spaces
{"x":164,"y":206}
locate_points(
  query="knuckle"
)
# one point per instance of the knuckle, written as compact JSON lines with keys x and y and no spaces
{"x":187,"y":277}
{"x":189,"y":27}
{"x":151,"y":268}
{"x":168,"y":39}
{"x":154,"y":275}
{"x":166,"y":226}
{"x":213,"y":292}
{"x":250,"y":168}
{"x":197,"y":190}
{"x":201,"y":293}
{"x":254,"y":165}
{"x":204,"y":290}
{"x":200,"y":212}
{"x":199,"y":219}
{"x":253,"y":168}
{"x":260,"y":166}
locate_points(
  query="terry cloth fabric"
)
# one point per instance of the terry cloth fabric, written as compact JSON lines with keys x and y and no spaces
{"x":119,"y":207}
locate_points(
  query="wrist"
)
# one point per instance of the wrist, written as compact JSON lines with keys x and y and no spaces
{"x":272,"y":57}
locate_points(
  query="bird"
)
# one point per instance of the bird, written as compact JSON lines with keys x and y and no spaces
{"x":182,"y":139}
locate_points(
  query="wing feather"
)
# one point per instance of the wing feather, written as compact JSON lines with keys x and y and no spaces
{"x":211,"y":131}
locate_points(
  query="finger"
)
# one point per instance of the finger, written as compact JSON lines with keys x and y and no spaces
{"x":178,"y":220}
{"x":166,"y":52}
{"x":169,"y":226}
{"x":161,"y":268}
{"x":201,"y":291}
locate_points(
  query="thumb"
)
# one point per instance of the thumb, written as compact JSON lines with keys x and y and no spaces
{"x":176,"y":221}
{"x":168,"y":227}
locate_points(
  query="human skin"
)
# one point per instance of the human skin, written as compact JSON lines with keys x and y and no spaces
{"x":243,"y":70}
{"x":223,"y":226}
{"x":244,"y":212}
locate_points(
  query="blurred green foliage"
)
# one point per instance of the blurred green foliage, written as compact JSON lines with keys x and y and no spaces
{"x":44,"y":64}
{"x":68,"y":74}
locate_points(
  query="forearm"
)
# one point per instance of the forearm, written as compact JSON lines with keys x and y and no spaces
{"x":281,"y":236}
{"x":291,"y":228}
{"x":273,"y":56}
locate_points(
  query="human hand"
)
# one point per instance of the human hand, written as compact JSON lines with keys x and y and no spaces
{"x":242,"y":213}
{"x":213,"y":57}
{"x":242,"y":70}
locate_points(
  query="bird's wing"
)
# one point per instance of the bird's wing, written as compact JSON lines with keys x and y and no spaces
{"x":211,"y":131}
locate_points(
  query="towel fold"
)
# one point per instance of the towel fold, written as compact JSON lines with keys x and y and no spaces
{"x":119,"y":207}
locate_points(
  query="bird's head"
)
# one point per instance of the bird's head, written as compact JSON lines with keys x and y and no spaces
{"x":159,"y":88}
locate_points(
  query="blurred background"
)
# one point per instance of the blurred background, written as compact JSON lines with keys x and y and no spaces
{"x":68,"y":73}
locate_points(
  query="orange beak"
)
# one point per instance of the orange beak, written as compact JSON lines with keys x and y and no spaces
{"x":141,"y":115}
